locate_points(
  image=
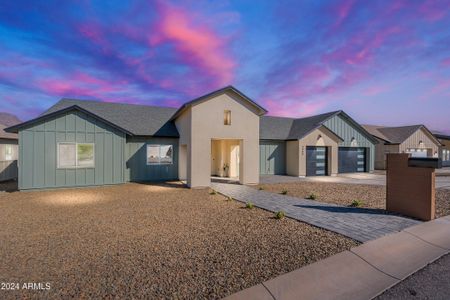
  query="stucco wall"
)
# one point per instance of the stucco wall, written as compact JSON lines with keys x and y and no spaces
{"x":326,"y":139}
{"x":38,"y":152}
{"x":380,"y":154}
{"x":136,"y":160}
{"x":206,"y":123}
{"x":347,"y":132}
{"x":414,"y":140}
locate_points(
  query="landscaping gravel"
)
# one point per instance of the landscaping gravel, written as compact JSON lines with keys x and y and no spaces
{"x":370,"y":196}
{"x":147,"y":241}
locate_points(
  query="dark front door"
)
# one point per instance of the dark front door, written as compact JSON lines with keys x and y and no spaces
{"x":351,"y":160}
{"x":316,"y":161}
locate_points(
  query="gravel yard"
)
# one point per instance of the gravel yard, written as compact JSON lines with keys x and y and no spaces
{"x":152,"y":241}
{"x":371,"y":196}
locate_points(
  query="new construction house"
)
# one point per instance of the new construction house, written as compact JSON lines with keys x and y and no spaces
{"x":221,"y":134}
{"x":416,"y":140}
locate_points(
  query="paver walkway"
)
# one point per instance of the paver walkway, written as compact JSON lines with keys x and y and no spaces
{"x":357,"y":223}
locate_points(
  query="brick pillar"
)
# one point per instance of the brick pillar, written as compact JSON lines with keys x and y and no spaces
{"x":409,"y":190}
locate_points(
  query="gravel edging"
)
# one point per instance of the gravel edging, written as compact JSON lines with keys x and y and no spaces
{"x":149,"y":241}
{"x":371,"y":196}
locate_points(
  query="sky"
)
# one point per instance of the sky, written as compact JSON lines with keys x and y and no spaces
{"x":383,"y":62}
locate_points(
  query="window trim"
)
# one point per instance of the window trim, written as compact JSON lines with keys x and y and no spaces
{"x":159,"y":163}
{"x":227,"y":117}
{"x":76,"y":156}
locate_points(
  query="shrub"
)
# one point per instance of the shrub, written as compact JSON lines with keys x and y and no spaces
{"x":249,"y":205}
{"x":230,"y":199}
{"x":279,"y":215}
{"x":312,"y":196}
{"x":284,"y":192}
{"x":212,"y":192}
{"x":356,"y":203}
{"x":260,"y":188}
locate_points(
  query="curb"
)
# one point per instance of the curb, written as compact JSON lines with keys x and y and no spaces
{"x":363,"y":272}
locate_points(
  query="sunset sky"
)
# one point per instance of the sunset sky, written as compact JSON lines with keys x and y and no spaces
{"x":383,"y":62}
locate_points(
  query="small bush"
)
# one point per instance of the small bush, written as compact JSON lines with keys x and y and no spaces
{"x":312,"y":196}
{"x":249,"y":205}
{"x":230,"y":199}
{"x":356,"y":203}
{"x":279,"y":215}
{"x":212,"y":192}
{"x":260,"y":188}
{"x":284,"y":192}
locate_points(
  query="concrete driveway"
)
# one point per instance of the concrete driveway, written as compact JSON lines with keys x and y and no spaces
{"x":349,"y":178}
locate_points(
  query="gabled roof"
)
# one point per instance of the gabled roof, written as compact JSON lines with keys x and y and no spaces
{"x":279,"y":128}
{"x":396,"y":135}
{"x":139,"y":120}
{"x":260,"y":110}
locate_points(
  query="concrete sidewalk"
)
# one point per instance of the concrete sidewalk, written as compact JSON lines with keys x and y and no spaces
{"x":362,"y":272}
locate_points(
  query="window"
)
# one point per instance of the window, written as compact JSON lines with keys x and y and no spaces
{"x":8,"y":152}
{"x":159,"y":154}
{"x":74,"y":155}
{"x":227,"y":117}
{"x":445,"y":155}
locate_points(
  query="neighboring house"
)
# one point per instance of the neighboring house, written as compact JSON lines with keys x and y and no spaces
{"x":415,"y":139}
{"x":8,"y":154}
{"x":224,"y":133}
{"x":444,"y":150}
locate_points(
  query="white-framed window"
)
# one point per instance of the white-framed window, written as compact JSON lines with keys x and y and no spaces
{"x":8,"y":152}
{"x":159,"y":154}
{"x":76,"y":155}
{"x":227,"y":117}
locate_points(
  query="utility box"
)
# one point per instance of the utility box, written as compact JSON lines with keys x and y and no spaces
{"x":410,"y":185}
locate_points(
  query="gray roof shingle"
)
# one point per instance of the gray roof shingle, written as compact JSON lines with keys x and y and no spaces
{"x":141,"y":120}
{"x":392,"y":135}
{"x":279,"y":128}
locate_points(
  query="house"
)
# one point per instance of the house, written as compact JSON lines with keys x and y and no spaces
{"x":415,"y":139}
{"x":224,"y":133}
{"x":444,"y":150}
{"x":8,"y":153}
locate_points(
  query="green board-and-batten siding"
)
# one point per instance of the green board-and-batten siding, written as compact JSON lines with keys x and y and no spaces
{"x":38,"y":152}
{"x":136,"y":160}
{"x":272,"y":157}
{"x":347,"y":131}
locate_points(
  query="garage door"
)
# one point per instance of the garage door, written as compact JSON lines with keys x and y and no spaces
{"x":272,"y":158}
{"x":351,"y":160}
{"x":316,"y":161}
{"x":417,"y":152}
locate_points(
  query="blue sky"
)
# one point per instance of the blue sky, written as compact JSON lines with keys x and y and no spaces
{"x":383,"y":62}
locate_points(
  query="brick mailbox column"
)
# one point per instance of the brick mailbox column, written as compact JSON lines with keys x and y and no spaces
{"x":410,"y":186}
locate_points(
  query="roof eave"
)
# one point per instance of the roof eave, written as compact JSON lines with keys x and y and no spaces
{"x":17,"y":127}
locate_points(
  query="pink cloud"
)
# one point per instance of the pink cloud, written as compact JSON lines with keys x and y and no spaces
{"x":445,"y":62}
{"x":198,"y":44}
{"x":432,"y":11}
{"x":295,"y":109}
{"x":375,"y":90}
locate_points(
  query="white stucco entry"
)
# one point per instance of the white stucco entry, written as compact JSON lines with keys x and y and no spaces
{"x":202,"y":120}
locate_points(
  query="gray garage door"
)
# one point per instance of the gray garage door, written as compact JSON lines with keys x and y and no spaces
{"x":272,"y":158}
{"x":316,"y":161}
{"x":352,"y":160}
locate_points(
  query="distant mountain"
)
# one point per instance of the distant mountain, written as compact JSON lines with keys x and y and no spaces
{"x":8,"y":119}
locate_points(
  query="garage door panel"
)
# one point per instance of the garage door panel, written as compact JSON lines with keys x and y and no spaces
{"x":316,"y":161}
{"x":272,"y":158}
{"x":352,"y":160}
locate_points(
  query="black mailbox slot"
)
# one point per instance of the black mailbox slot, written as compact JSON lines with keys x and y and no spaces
{"x":422,"y":162}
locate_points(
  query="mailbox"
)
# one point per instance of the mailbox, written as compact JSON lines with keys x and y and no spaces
{"x":425,"y":162}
